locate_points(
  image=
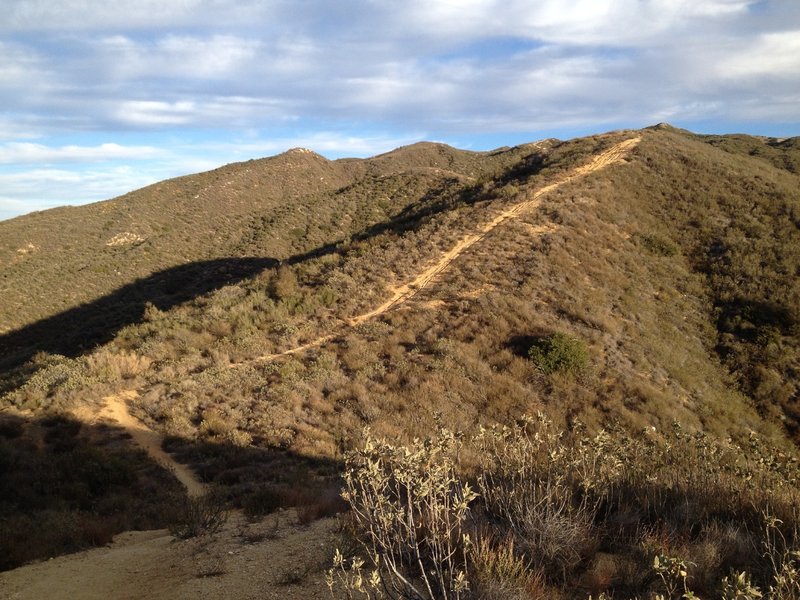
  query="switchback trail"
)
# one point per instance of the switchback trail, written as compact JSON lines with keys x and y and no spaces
{"x":403,"y":293}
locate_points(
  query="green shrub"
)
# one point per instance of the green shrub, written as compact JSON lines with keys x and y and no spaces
{"x":559,"y":353}
{"x":658,"y":245}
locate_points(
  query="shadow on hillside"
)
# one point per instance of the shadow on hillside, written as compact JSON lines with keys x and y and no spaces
{"x":80,"y":329}
{"x":436,"y":201}
{"x":521,"y":344}
{"x":66,"y":486}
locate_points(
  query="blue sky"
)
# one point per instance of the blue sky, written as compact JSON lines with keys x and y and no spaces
{"x":98,"y":98}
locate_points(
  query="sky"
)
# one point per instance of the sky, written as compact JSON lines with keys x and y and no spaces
{"x":100,"y":97}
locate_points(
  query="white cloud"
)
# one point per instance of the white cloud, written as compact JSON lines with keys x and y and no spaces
{"x":175,"y":56}
{"x":213,"y":57}
{"x":331,"y":144}
{"x":42,"y":15}
{"x":17,"y":64}
{"x":432,"y":64}
{"x":151,"y":112}
{"x":222,"y":111}
{"x":13,"y":127}
{"x":772,"y":54}
{"x":48,"y":187}
{"x":448,"y":68}
{"x":30,"y":153}
{"x":581,"y":22}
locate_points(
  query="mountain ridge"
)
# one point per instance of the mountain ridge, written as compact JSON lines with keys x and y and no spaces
{"x":422,"y":300}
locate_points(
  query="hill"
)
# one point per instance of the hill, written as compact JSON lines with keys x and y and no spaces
{"x":271,"y":209}
{"x":259,"y":316}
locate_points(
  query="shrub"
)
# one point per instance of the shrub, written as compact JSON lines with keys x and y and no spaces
{"x":115,"y":366}
{"x":201,"y":515}
{"x":52,"y":374}
{"x":500,"y":573}
{"x":659,"y":246}
{"x":528,"y":481}
{"x":559,"y":353}
{"x":411,"y":510}
{"x":263,"y":501}
{"x":548,"y":501}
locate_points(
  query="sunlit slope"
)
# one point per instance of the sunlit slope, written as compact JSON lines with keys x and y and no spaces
{"x":289,"y":204}
{"x":645,"y":261}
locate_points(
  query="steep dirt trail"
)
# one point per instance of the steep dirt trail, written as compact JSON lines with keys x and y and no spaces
{"x":116,"y":409}
{"x":404,"y":292}
{"x":116,"y":406}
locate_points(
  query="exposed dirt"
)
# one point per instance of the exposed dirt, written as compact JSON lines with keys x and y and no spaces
{"x":116,"y":407}
{"x":275,"y":558}
{"x":404,"y":292}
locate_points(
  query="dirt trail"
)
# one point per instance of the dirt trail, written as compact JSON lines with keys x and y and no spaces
{"x":403,"y":293}
{"x":272,"y":559}
{"x":116,"y":409}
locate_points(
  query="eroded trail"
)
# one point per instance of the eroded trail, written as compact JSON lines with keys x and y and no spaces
{"x":116,"y":409}
{"x":404,"y":292}
{"x":116,"y":406}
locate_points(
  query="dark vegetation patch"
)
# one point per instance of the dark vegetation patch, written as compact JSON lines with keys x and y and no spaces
{"x":82,"y":328}
{"x":64,"y":487}
{"x":261,"y":480}
{"x":659,"y":245}
{"x":559,"y":353}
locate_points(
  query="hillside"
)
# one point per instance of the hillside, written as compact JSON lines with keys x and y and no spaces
{"x":260,"y":315}
{"x":172,"y":241}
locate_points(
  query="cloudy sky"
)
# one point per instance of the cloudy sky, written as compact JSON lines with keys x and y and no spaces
{"x":99,"y":97}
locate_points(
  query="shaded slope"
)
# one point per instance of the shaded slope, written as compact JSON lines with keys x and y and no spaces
{"x":79,"y":329}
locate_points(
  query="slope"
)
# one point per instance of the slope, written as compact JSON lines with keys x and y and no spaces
{"x":428,"y":315}
{"x":181,"y":238}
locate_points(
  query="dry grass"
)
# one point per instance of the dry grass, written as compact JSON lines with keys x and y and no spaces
{"x":639,"y":262}
{"x":661,"y":515}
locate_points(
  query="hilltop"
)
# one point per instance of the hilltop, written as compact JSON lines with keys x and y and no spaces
{"x":258,"y":316}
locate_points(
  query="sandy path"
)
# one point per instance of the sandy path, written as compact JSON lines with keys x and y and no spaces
{"x":274,"y":559}
{"x":404,"y":292}
{"x":116,"y":409}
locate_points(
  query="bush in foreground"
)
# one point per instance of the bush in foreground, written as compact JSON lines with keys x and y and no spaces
{"x":556,"y":515}
{"x":201,"y":515}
